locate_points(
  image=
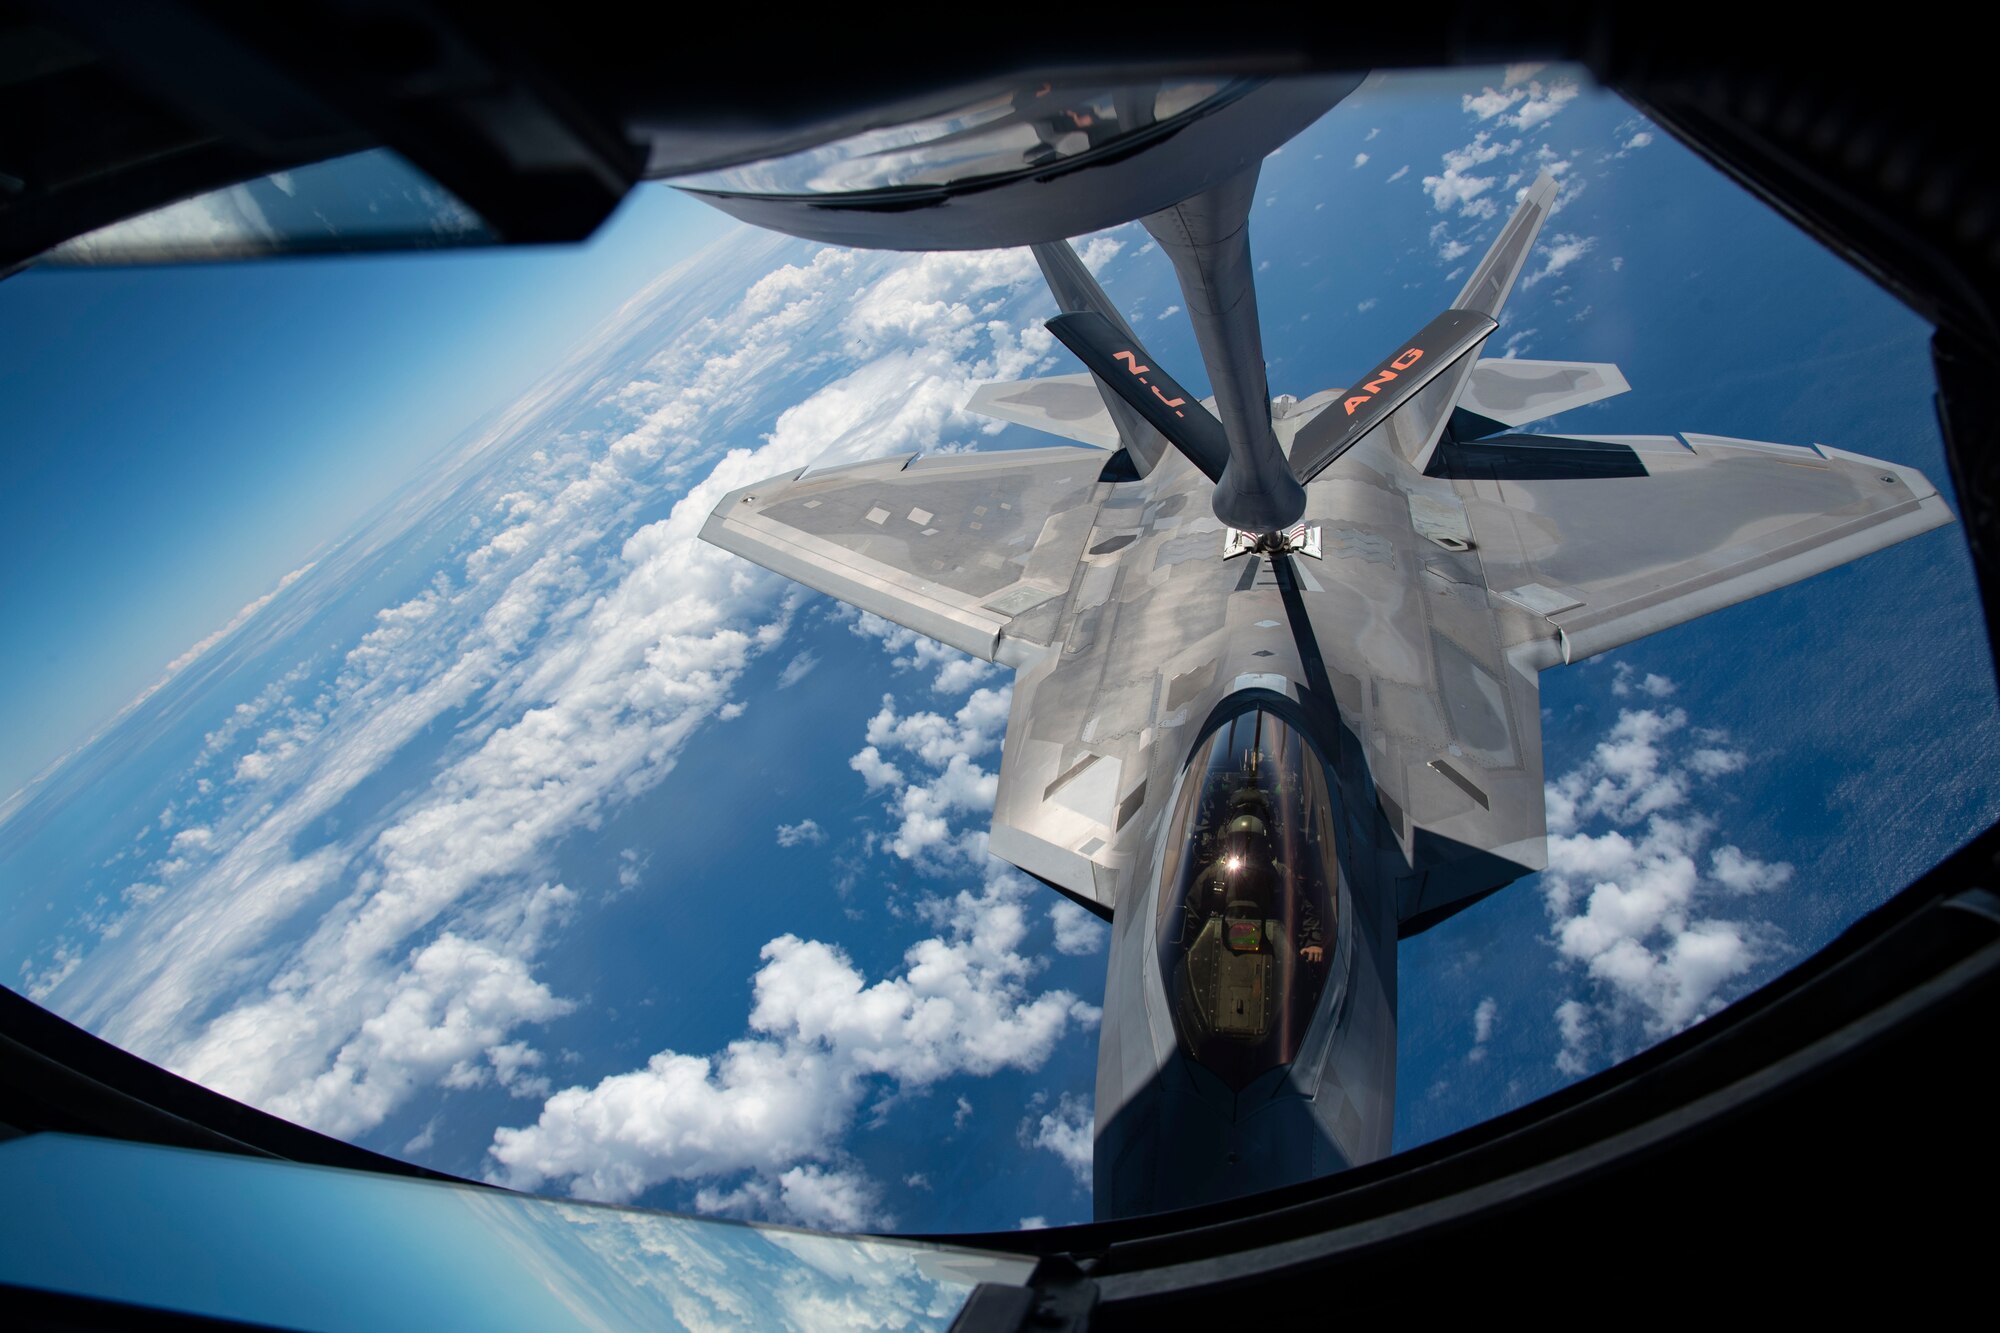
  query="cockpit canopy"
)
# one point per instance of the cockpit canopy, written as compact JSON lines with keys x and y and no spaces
{"x":1248,"y":912}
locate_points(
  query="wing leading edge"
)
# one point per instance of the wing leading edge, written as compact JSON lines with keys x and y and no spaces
{"x":1604,"y":560}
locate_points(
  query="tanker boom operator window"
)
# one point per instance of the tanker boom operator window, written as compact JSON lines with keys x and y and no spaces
{"x":1001,"y":135}
{"x":1247,"y":908}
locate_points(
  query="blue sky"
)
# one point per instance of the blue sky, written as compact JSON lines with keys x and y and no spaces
{"x":179,"y":438}
{"x":528,"y":837}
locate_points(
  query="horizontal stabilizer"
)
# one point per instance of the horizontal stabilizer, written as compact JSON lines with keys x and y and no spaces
{"x":1118,"y":361}
{"x":1399,"y":378}
{"x":1513,"y":393}
{"x":1065,"y":405}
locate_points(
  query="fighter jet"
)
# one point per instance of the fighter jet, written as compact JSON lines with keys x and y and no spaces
{"x":1276,"y":703}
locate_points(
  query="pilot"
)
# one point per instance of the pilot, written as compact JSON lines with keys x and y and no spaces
{"x":1241,"y":869}
{"x":1250,"y":800}
{"x":1244,"y":872}
{"x":1312,"y":933}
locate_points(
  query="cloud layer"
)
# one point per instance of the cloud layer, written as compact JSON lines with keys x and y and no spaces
{"x":330,"y":957}
{"x":1643,"y":905}
{"x":776,"y":1103}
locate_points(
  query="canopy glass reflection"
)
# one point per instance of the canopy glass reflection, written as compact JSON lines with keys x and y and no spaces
{"x":1247,"y":920}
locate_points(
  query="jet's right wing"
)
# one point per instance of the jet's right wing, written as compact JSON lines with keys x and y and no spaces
{"x":977,"y":551}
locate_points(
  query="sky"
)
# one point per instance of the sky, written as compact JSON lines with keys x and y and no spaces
{"x":178,"y":439}
{"x":528,"y":837}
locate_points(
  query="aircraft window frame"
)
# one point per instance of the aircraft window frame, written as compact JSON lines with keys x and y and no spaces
{"x":826,"y":173}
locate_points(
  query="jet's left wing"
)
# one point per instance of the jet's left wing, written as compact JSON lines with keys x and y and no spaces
{"x":974,"y":550}
{"x":1603,"y":554}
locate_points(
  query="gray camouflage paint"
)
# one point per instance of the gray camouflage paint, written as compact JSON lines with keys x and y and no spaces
{"x":1409,"y":652}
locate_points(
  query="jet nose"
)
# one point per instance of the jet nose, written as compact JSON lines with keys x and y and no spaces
{"x":1190,"y":1140}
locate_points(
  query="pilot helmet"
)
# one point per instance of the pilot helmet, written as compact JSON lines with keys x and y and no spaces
{"x":1244,"y":826}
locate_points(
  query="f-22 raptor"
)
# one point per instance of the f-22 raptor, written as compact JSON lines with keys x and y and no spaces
{"x":1276,"y":701}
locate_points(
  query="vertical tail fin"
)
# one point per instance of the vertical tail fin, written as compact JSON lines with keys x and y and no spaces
{"x":1490,"y":283}
{"x":1412,"y":393}
{"x":1076,"y":291}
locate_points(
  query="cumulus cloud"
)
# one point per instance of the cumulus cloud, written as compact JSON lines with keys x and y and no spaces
{"x":1635,"y":897}
{"x":1462,"y":186}
{"x":191,"y":839}
{"x":1541,"y":104}
{"x":941,"y":298}
{"x":1558,"y":254}
{"x":1361,"y":159}
{"x":1399,"y":173}
{"x":1626,"y":682}
{"x":949,"y":748}
{"x":1066,"y":1131}
{"x":330,"y":967}
{"x":876,"y":771}
{"x":911,"y":651}
{"x":821,"y":1035}
{"x":760,"y":1122}
{"x":797,"y":669}
{"x":805,"y":832}
{"x":828,"y":1198}
{"x":1521,"y":107}
{"x":1713,"y":762}
{"x":1577,"y":1033}
{"x":1741,"y":873}
{"x":1490,"y":102}
{"x":961,"y":674}
{"x":1483,"y":1018}
{"x":1168,"y":313}
{"x":1077,"y":931}
{"x":1448,"y":247}
{"x":1459,"y":186}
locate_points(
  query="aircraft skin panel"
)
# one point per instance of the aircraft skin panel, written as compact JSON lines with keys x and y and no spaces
{"x":1417,"y":655}
{"x":1153,"y":634}
{"x":973,"y":550}
{"x":1748,"y":517}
